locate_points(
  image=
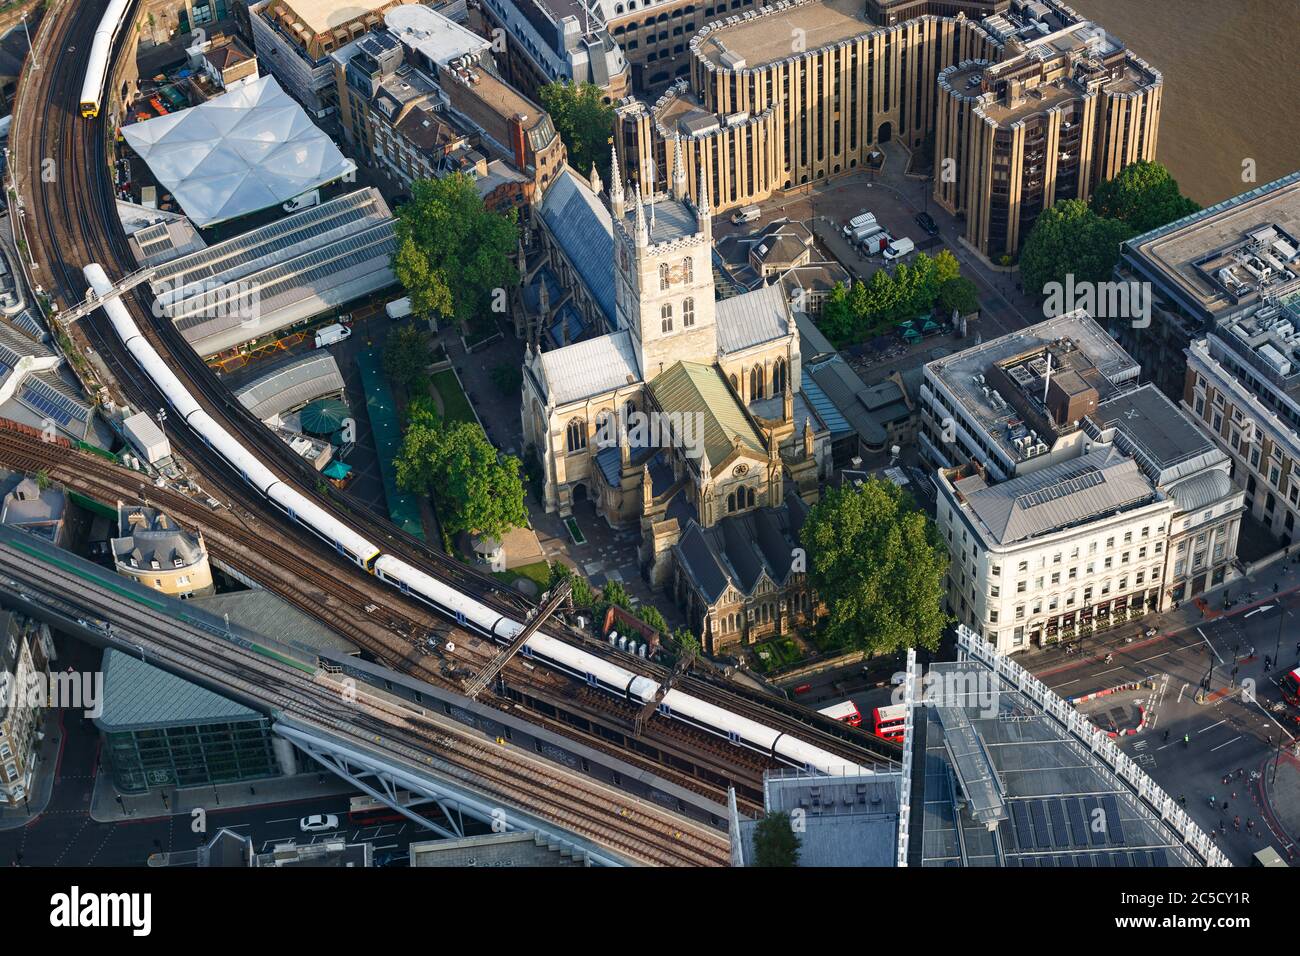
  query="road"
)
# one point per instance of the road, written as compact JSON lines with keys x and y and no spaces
{"x":1229,"y":731}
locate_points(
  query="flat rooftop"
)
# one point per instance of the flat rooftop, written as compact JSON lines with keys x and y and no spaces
{"x":1183,"y":255}
{"x":765,"y":39}
{"x":322,"y":16}
{"x":1156,"y":430}
{"x":965,"y":375}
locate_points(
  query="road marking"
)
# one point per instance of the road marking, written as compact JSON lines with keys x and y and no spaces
{"x":1221,"y":746}
{"x":1180,"y":692}
{"x":1153,"y":657}
{"x":1212,"y":726}
{"x":1208,"y":644}
{"x":1067,"y":683}
{"x":1258,"y":610}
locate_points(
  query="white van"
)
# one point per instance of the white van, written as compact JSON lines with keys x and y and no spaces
{"x":745,"y":214}
{"x":875,"y":243}
{"x":399,"y":308}
{"x":331,"y":335}
{"x":857,"y":222}
{"x":899,"y":248}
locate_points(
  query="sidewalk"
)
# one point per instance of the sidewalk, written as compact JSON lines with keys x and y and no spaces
{"x":107,"y":806}
{"x":1041,"y":661}
{"x":1282,"y":797}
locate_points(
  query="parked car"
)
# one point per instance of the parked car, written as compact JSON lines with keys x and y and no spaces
{"x":318,"y":823}
{"x":924,"y":220}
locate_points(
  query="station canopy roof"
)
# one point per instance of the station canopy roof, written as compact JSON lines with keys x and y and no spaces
{"x":238,"y":153}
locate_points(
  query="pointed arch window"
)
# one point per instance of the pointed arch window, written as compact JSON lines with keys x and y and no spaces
{"x":778,"y":377}
{"x":663,"y":276}
{"x":688,"y":268}
{"x":688,"y":311}
{"x":577,"y":435}
{"x":666,"y":317}
{"x":756,"y":382}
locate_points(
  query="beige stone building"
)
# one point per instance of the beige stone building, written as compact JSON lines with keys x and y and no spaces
{"x":25,"y":652}
{"x":684,"y":412}
{"x":787,"y":94}
{"x":1061,"y":113}
{"x":158,"y":553}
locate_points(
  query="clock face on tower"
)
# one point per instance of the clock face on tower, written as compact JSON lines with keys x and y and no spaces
{"x":677,"y":275}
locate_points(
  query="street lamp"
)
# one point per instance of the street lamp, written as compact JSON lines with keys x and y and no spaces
{"x":31,"y":52}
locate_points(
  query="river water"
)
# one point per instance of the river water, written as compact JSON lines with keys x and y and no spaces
{"x":1230,"y":69}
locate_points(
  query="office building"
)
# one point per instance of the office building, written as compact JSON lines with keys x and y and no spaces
{"x":25,"y":652}
{"x":1071,"y":499}
{"x":160,"y":731}
{"x":294,"y":40}
{"x":795,"y":92}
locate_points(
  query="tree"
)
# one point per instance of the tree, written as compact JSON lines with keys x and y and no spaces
{"x":406,"y":356}
{"x":477,"y":490}
{"x":584,"y":122}
{"x":837,"y":320}
{"x":579,"y":589}
{"x":959,"y":294}
{"x":1144,"y":196}
{"x":946,"y":266}
{"x":1070,"y":238}
{"x":454,"y":258}
{"x":775,"y":842}
{"x":613,"y":593}
{"x":508,"y":378}
{"x":878,"y":563}
{"x":651,"y":616}
{"x":688,"y":645}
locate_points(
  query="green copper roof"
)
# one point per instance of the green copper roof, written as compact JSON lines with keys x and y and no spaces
{"x":689,"y":387}
{"x":139,"y":696}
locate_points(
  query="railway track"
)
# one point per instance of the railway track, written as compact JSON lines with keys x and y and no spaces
{"x":81,"y":221}
{"x":640,"y":832}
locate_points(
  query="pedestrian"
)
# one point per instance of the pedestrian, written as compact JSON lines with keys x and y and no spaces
{"x":1225,"y":806}
{"x":1222,"y":825}
{"x":1182,"y":800}
{"x":1250,"y":823}
{"x":1236,"y":823}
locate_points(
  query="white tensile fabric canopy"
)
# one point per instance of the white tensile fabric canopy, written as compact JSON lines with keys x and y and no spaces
{"x":238,"y":153}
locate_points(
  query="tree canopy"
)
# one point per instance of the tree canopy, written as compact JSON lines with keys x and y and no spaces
{"x":878,"y":563}
{"x":958,"y":294}
{"x":1144,"y":195}
{"x":852,"y":314}
{"x":476,"y":490}
{"x":406,"y":356}
{"x":1070,"y":238}
{"x":583,"y":122}
{"x":453,"y":255}
{"x":775,"y":842}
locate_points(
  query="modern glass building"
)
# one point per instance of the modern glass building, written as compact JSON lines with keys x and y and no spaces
{"x":161,"y":731}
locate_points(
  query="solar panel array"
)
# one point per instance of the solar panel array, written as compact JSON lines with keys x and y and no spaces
{"x":311,"y":224}
{"x":1089,"y":477}
{"x":1075,"y":831}
{"x":47,"y":400}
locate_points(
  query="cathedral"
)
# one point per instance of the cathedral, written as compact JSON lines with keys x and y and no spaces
{"x":679,"y":413}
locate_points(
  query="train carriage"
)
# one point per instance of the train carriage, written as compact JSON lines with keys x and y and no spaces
{"x":101,"y":52}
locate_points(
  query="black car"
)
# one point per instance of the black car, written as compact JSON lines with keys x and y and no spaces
{"x":928,"y":224}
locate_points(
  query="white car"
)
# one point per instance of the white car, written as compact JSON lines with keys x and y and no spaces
{"x":319,"y":823}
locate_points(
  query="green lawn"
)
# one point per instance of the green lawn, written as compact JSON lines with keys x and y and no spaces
{"x":455,"y":406}
{"x":539,"y":573}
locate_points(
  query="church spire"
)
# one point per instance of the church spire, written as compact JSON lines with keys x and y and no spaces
{"x":704,"y":214}
{"x":642,"y":232}
{"x":679,"y":169}
{"x":616,"y":198}
{"x":596,"y":184}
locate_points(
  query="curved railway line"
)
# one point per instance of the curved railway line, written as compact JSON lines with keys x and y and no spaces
{"x":79,"y":220}
{"x":638,"y":830}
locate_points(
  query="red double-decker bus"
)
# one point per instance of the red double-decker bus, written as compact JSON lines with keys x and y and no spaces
{"x":1290,"y":684}
{"x":845,"y":711}
{"x":889,"y":722}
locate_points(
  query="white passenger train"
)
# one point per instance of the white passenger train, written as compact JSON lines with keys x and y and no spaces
{"x":469,"y":613}
{"x":101,"y":52}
